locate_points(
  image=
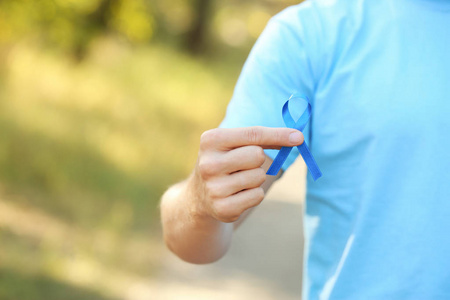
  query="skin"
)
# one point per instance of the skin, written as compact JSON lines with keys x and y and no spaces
{"x":200,"y":213}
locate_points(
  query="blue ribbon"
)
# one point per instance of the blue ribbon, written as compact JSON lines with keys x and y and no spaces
{"x":303,"y":148}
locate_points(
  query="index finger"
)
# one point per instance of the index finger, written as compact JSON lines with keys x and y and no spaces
{"x":266,"y":137}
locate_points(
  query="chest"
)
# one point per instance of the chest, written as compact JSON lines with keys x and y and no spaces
{"x":395,"y":87}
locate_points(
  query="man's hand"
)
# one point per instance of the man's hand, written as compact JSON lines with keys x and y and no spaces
{"x":228,"y":175}
{"x":197,"y":213}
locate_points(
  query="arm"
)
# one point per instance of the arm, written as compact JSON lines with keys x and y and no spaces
{"x":200,"y":213}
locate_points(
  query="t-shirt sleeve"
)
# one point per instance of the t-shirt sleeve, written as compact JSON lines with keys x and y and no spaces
{"x":278,"y":65}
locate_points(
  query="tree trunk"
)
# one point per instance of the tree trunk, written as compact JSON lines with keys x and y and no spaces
{"x":196,"y":37}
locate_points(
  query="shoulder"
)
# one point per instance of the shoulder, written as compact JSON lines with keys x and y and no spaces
{"x":324,"y":28}
{"x":308,"y":29}
{"x":323,"y":14}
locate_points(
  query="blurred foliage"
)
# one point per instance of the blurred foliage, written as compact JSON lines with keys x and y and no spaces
{"x":73,"y":24}
{"x":101,"y":109}
{"x":87,"y":149}
{"x":115,"y":130}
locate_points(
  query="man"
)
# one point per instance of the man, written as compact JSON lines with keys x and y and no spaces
{"x":377,"y":222}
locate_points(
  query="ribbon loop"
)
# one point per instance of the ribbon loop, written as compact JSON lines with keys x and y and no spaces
{"x":303,"y":148}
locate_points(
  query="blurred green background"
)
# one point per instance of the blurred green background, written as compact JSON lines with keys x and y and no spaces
{"x":102,"y":103}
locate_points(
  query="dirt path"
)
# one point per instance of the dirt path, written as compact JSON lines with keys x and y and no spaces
{"x":264,"y":261}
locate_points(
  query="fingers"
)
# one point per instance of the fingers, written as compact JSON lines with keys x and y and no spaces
{"x":269,"y":138}
{"x":239,"y":159}
{"x":214,"y":164}
{"x":231,"y":195}
{"x":244,"y":158}
{"x":230,"y":209}
{"x":229,"y":167}
{"x":226,"y":186}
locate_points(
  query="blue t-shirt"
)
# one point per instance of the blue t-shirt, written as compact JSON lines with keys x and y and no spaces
{"x":377,"y":224}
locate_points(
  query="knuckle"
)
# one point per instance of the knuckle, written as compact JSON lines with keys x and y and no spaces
{"x":260,"y":156}
{"x":220,"y":209}
{"x":223,"y":212}
{"x":260,"y":175}
{"x":212,"y":190}
{"x":208,"y":167}
{"x":208,"y":138}
{"x":203,"y":168}
{"x":204,"y":139}
{"x":254,"y":135}
{"x":259,"y":194}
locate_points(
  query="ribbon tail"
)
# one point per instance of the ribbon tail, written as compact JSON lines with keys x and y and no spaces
{"x":310,"y":161}
{"x":279,"y":161}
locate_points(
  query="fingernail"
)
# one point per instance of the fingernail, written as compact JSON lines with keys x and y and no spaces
{"x":295,"y":137}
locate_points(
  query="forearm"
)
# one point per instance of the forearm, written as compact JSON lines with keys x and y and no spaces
{"x":194,"y":237}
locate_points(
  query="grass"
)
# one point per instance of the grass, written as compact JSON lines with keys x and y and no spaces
{"x":89,"y":148}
